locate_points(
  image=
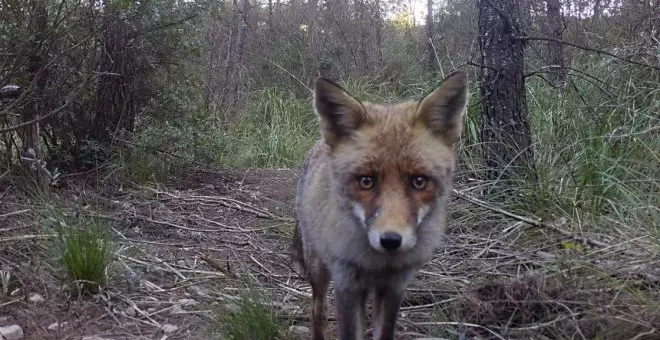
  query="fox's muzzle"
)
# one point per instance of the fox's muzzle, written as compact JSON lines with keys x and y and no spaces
{"x":392,"y":239}
{"x":391,"y":230}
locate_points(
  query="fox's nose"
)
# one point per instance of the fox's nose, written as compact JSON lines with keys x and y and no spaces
{"x":390,"y":240}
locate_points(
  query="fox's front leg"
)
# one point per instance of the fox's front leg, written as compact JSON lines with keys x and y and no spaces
{"x":350,"y":305}
{"x":319,"y":277}
{"x":386,"y":304}
{"x":319,"y":319}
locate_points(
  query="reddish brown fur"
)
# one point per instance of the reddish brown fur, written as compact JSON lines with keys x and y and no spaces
{"x":342,"y":222}
{"x":391,"y":148}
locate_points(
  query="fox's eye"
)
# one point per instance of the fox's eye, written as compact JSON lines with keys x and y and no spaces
{"x":419,"y":182}
{"x":366,"y":182}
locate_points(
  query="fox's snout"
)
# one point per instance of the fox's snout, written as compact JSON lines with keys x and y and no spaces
{"x":391,"y":231}
{"x":391,"y":241}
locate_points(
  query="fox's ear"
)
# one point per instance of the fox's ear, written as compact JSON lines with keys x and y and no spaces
{"x":442,"y":111}
{"x":340,"y":113}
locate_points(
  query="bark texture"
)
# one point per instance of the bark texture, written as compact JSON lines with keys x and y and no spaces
{"x":114,"y":110}
{"x":505,"y":127}
{"x":430,"y":52}
{"x":557,"y":71}
{"x":38,"y":76}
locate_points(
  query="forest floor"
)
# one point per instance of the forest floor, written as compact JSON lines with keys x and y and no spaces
{"x":197,"y":244}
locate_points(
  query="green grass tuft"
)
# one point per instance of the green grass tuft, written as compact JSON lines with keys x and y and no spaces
{"x":81,"y":250}
{"x":250,"y":319}
{"x":141,"y":166}
{"x":597,"y":155}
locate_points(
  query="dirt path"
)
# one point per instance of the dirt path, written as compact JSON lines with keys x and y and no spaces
{"x":196,"y":244}
{"x":190,"y":240}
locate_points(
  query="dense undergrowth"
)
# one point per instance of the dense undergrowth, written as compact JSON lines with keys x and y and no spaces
{"x":597,"y":149}
{"x":596,"y":141}
{"x":585,"y":268}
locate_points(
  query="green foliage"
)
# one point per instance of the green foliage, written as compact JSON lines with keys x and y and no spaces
{"x":597,"y":153}
{"x":368,"y":89}
{"x":591,"y":158}
{"x":250,"y":319}
{"x":400,"y":66}
{"x":275,"y":129}
{"x":141,"y":166}
{"x":81,"y":250}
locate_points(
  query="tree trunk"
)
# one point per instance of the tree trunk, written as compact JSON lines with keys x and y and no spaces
{"x":271,"y":29}
{"x":598,"y":10}
{"x":114,"y":109}
{"x":363,"y":24}
{"x":555,"y":48}
{"x":379,"y":33}
{"x":313,"y":32}
{"x":37,"y":75}
{"x":213,"y":55}
{"x":430,"y":51}
{"x":505,"y":127}
{"x":234,"y":82}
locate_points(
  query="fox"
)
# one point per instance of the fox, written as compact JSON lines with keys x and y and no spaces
{"x":371,"y":201}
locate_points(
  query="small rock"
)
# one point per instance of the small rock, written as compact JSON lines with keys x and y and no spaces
{"x":186,"y":302}
{"x":199,"y":291}
{"x":167,"y":328}
{"x":151,"y":309}
{"x":36,"y":298}
{"x":132,"y":280}
{"x":94,"y":337}
{"x":13,"y":332}
{"x":233,"y":308}
{"x":289,"y":308}
{"x":299,"y":332}
{"x":130,"y":311}
{"x":56,"y":325}
{"x":176,"y":309}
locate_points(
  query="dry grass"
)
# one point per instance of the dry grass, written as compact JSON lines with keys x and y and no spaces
{"x":184,"y":252}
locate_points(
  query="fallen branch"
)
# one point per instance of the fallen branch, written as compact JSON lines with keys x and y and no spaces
{"x":170,"y":224}
{"x":459,"y":324}
{"x":533,"y":221}
{"x":155,"y":150}
{"x":14,"y":213}
{"x":26,"y":237}
{"x":229,"y":203}
{"x":211,"y":262}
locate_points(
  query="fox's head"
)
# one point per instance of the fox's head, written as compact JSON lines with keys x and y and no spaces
{"x":393,"y":164}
